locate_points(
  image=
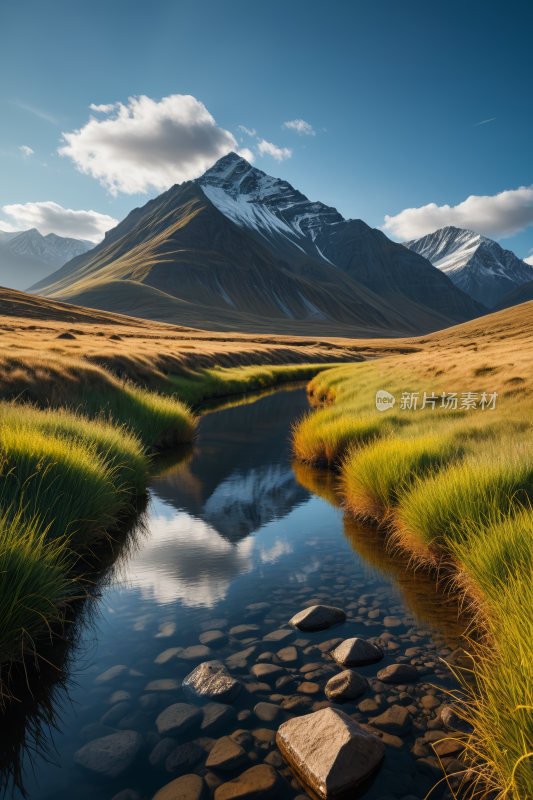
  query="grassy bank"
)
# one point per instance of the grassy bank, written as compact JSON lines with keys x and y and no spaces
{"x":453,"y":489}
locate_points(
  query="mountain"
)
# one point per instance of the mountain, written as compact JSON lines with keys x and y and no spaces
{"x":27,"y":256}
{"x":252,"y":251}
{"x":477,"y":265}
{"x":521,"y":294}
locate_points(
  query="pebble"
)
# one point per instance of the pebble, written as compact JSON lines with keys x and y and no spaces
{"x":183,"y":757}
{"x":161,"y":751}
{"x":398,"y":673}
{"x":395,"y":719}
{"x":356,"y":653}
{"x":279,"y":636}
{"x":213,"y":624}
{"x":163,"y":685}
{"x":213,"y":638}
{"x":115,"y":714}
{"x":188,"y":787}
{"x":267,"y":672}
{"x":345,"y":686}
{"x":110,"y":756}
{"x":261,"y":781}
{"x":240,"y":660}
{"x":244,"y":631}
{"x":177,"y":718}
{"x":318,"y":618}
{"x":215,"y":715}
{"x":119,"y":697}
{"x":198,"y":652}
{"x":110,"y":674}
{"x":257,"y":609}
{"x":288,"y":655}
{"x":266,"y":712}
{"x":167,"y":655}
{"x":226,"y":755}
{"x":212,"y":681}
{"x":307,"y":687}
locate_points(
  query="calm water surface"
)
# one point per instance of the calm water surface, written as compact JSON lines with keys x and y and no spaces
{"x":231,"y":522}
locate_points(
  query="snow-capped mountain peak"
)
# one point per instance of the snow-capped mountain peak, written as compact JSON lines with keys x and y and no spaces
{"x":477,"y":265}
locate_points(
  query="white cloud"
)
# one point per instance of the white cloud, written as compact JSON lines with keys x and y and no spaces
{"x":496,"y":216}
{"x":279,"y":153}
{"x":245,"y":130}
{"x":149,"y":144}
{"x":529,"y":260}
{"x":27,"y":151}
{"x":49,"y":217}
{"x":246,"y":153}
{"x":300,"y":126}
{"x":104,"y":108}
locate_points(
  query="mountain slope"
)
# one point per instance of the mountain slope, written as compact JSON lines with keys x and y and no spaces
{"x":292,"y":226}
{"x":477,"y":265}
{"x":187,"y":250}
{"x":520,"y":294}
{"x":27,"y":257}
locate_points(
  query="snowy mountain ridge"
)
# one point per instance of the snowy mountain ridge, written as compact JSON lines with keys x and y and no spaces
{"x":51,"y":249}
{"x":477,"y":265}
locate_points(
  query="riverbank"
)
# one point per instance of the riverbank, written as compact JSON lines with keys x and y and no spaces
{"x":450,"y":485}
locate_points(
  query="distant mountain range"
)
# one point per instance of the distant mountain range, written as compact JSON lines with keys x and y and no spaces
{"x":27,"y":257}
{"x":477,"y":265}
{"x":239,"y":250}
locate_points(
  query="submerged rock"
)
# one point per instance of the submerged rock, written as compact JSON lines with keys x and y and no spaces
{"x":357,"y":653}
{"x":398,"y":673}
{"x":110,"y":756}
{"x":161,"y":751}
{"x":177,"y":718}
{"x":395,"y":719}
{"x":330,"y":752}
{"x":212,"y":681}
{"x":215,"y":715}
{"x":318,"y":618}
{"x":452,"y":720}
{"x":183,"y":757}
{"x":345,"y":686}
{"x":261,"y":781}
{"x":188,"y":787}
{"x":268,"y":672}
{"x":226,"y":755}
{"x":110,"y":674}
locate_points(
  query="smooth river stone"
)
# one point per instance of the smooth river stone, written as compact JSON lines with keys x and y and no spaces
{"x":329,"y":752}
{"x":395,"y":719}
{"x":213,"y":638}
{"x":266,"y":712}
{"x":261,"y":781}
{"x":257,"y":609}
{"x":226,"y":755}
{"x":288,"y":655}
{"x":161,"y":752}
{"x":188,"y":787}
{"x":279,"y":636}
{"x":398,"y":673}
{"x":211,"y":681}
{"x":163,"y":685}
{"x":240,"y":660}
{"x":215,"y":715}
{"x":356,"y":653}
{"x":111,"y":756}
{"x":345,"y":686}
{"x":267,"y":672}
{"x":318,"y":618}
{"x":167,"y":655}
{"x":196,"y":653}
{"x":177,"y":718}
{"x":183,"y":758}
{"x":244,"y":631}
{"x":110,"y":674}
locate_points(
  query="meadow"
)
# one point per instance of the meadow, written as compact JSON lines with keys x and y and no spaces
{"x":451,"y":489}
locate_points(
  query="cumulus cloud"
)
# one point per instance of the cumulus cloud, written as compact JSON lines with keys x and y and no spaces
{"x":149,"y":144}
{"x":496,"y":216}
{"x":27,"y":151}
{"x":529,"y":260}
{"x":245,"y":130}
{"x":49,"y":217}
{"x":104,"y":108}
{"x":300,"y":126}
{"x":279,"y":153}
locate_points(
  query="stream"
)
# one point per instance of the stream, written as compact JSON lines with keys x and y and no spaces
{"x":232,"y":522}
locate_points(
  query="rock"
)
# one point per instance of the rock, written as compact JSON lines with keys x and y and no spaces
{"x":183,"y":757}
{"x":198,"y":652}
{"x":211,"y":681}
{"x":395,"y":719}
{"x":452,"y":720}
{"x":115,"y":714}
{"x":110,"y":756}
{"x":297,"y":704}
{"x":286,"y":683}
{"x":398,"y":673}
{"x":312,"y":667}
{"x":215,"y":715}
{"x":213,"y":638}
{"x":368,"y":706}
{"x":307,"y":687}
{"x":166,"y":629}
{"x":345,"y":686}
{"x":168,"y":655}
{"x":318,"y":618}
{"x":357,"y":653}
{"x":226,"y":755}
{"x":119,"y":697}
{"x":163,"y":685}
{"x":110,"y":674}
{"x":288,"y":655}
{"x":177,"y":718}
{"x":135,"y":721}
{"x":448,"y":747}
{"x":244,"y":631}
{"x":267,"y":672}
{"x":257,"y":688}
{"x":257,"y":609}
{"x":161,"y":752}
{"x":274,"y":759}
{"x":430,"y":702}
{"x":261,"y":781}
{"x":242,"y":716}
{"x":148,"y":702}
{"x":188,"y":787}
{"x":240,"y":660}
{"x":279,"y":636}
{"x":213,"y":624}
{"x":392,"y":622}
{"x":330,"y":752}
{"x":264,"y":735}
{"x":266,"y":712}
{"x":213,"y":781}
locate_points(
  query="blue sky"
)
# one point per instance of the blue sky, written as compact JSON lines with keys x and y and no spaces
{"x":397,"y":96}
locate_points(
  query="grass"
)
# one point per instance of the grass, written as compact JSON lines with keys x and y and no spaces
{"x":455,"y":488}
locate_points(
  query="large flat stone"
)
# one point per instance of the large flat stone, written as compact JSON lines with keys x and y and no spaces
{"x":282,"y":635}
{"x":395,"y":719}
{"x":110,"y":756}
{"x":211,"y":681}
{"x":177,"y":718}
{"x":226,"y":755}
{"x":356,"y":653}
{"x":268,"y":672}
{"x":241,"y":660}
{"x":330,"y":752}
{"x":318,"y":618}
{"x":346,"y":686}
{"x":188,"y":787}
{"x":258,"y":783}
